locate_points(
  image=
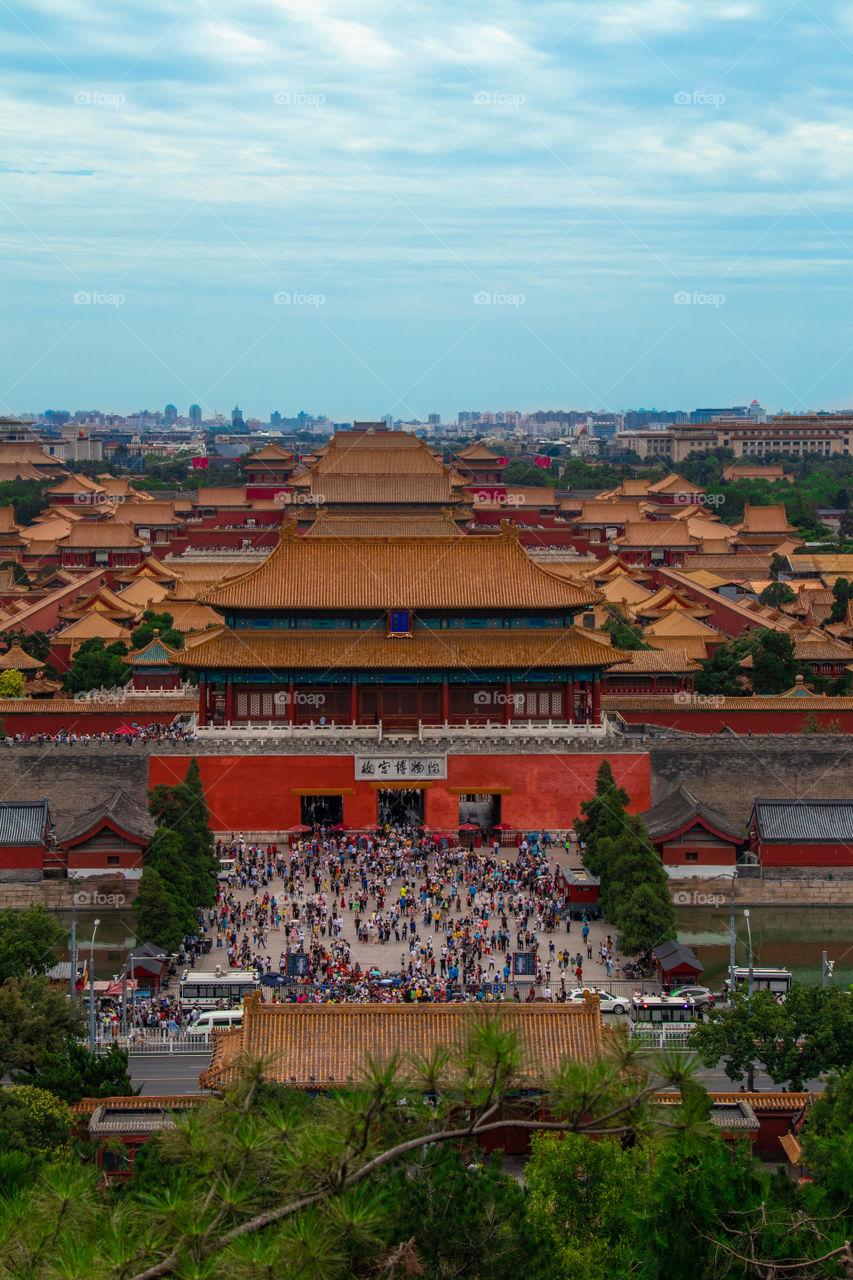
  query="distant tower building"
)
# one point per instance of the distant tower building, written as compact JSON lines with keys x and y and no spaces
{"x":170,"y":413}
{"x":275,"y":418}
{"x":195,"y":413}
{"x":434,"y":419}
{"x":237,"y":422}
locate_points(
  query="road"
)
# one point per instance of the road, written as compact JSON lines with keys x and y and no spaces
{"x":163,"y":1073}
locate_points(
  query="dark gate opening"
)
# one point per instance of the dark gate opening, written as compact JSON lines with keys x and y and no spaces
{"x":483,"y":809}
{"x":322,"y":811}
{"x":400,"y":807}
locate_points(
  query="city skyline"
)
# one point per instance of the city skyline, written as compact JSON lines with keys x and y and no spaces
{"x":420,"y":209}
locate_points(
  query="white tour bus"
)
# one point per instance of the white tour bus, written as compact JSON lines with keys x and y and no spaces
{"x":221,"y":988}
{"x":763,"y":979}
{"x":662,"y":1014}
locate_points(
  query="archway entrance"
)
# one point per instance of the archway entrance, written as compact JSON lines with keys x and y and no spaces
{"x":484,"y":810}
{"x":322,"y":811}
{"x":400,"y":806}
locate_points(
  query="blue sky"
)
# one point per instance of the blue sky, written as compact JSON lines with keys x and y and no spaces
{"x":410,"y":207}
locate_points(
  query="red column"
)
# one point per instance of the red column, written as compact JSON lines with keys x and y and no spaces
{"x":202,"y":703}
{"x":291,"y":690}
{"x":507,"y":702}
{"x":229,"y":700}
{"x":445,"y":701}
{"x":570,"y":699}
{"x":353,"y":702}
{"x":596,"y":699}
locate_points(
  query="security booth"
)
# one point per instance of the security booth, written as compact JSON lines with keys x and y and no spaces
{"x":580,"y":891}
{"x":676,"y":964}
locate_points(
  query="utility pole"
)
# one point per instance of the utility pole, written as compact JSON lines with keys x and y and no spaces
{"x":73,"y":937}
{"x":732,"y":943}
{"x":828,"y":967}
{"x":92,"y":989}
{"x":750,"y":1077}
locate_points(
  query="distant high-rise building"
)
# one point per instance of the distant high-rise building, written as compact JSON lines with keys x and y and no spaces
{"x":275,"y":418}
{"x":170,"y":413}
{"x":237,"y":422}
{"x":195,"y":413}
{"x":434,"y":419}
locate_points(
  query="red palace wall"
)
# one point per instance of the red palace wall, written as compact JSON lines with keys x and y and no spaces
{"x":255,"y":793}
{"x":806,"y":855}
{"x":712,"y":719}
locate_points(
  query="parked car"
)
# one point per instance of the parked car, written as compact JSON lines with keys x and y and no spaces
{"x":701,"y":996}
{"x":608,"y":1001}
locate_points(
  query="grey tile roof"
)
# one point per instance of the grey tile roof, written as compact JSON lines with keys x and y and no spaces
{"x":23,"y":821}
{"x":734,"y":1115}
{"x":682,"y":807}
{"x":670,"y":955}
{"x":124,"y":812}
{"x":807,"y":820}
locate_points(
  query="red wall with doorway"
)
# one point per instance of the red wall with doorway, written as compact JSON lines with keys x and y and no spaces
{"x":254,"y":793}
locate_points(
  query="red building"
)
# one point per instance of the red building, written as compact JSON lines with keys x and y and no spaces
{"x":802,"y":833}
{"x":687,"y":832}
{"x":108,"y":840}
{"x":25,"y":830}
{"x":677,"y":965}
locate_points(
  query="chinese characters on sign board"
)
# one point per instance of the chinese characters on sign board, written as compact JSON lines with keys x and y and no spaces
{"x":396,"y":768}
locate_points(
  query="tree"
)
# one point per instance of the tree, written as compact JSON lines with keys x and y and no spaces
{"x":582,"y":1196}
{"x":774,"y":668}
{"x":842,"y":591}
{"x":97,"y":666}
{"x":777,"y":594}
{"x":160,"y":622}
{"x":604,"y":814}
{"x":35,"y":1122}
{"x":183,"y":810}
{"x":28,"y":939}
{"x":19,"y":574}
{"x":811,"y":1033}
{"x":623,"y":634}
{"x":73,"y":1073}
{"x":157,"y":917}
{"x":35,"y":1018}
{"x":12,"y":684}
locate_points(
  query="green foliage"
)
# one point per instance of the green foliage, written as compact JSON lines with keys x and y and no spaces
{"x":35,"y":1018}
{"x":623,"y":634}
{"x":811,"y":1033}
{"x":28,"y":938}
{"x":35,"y":643}
{"x":584,"y":1197}
{"x":161,"y":622}
{"x":28,"y":497}
{"x":774,"y":668}
{"x":72,"y":1073}
{"x":634,"y":886}
{"x":97,"y":666}
{"x":842,"y":592}
{"x":33,"y":1121}
{"x":12,"y":684}
{"x":158,"y":917}
{"x":777,"y":594}
{"x":19,"y":574}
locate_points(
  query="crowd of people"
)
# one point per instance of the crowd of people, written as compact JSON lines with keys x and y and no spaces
{"x":124,"y":735}
{"x":441,"y":919}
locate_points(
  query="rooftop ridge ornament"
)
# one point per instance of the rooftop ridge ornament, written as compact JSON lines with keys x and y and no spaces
{"x":287,"y":532}
{"x":509,"y":531}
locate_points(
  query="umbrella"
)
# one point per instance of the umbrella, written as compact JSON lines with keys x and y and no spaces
{"x":125,"y":728}
{"x":273,"y":980}
{"x":469,"y":826}
{"x":342,"y":826}
{"x":373,"y":826}
{"x":299,"y":830}
{"x":503,"y":826}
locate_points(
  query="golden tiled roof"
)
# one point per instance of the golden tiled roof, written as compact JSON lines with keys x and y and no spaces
{"x":764,"y":520}
{"x":143,"y":710}
{"x":379,"y":489}
{"x":77,"y":484}
{"x":269,"y":453}
{"x":89,"y":534}
{"x":431,"y":524}
{"x":464,"y":572}
{"x":655,"y":662}
{"x":656,"y":533}
{"x":15,"y":659}
{"x":319,"y":1045}
{"x":375,"y":650}
{"x":148,"y":513}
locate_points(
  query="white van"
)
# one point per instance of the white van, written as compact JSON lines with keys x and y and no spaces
{"x":226,"y":869}
{"x":215,"y":1019}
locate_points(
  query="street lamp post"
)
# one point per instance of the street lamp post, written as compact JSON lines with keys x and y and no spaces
{"x":92,"y":989}
{"x":750,"y":1077}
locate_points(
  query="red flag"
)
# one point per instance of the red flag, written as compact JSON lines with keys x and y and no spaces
{"x":503,"y":462}
{"x":542,"y":461}
{"x":200,"y":464}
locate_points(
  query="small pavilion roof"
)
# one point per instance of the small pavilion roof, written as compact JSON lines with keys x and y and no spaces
{"x":118,"y":808}
{"x":17,"y":659}
{"x":682,"y":810}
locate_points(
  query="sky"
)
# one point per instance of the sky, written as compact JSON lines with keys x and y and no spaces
{"x":403,"y":207}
